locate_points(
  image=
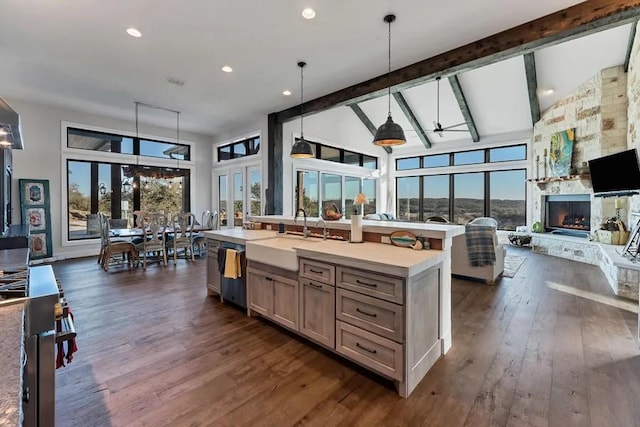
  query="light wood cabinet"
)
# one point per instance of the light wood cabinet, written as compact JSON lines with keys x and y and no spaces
{"x":376,"y":285}
{"x":285,"y":302}
{"x":372,"y":314}
{"x":259,"y":293}
{"x":318,"y":271}
{"x":213,"y":273}
{"x":317,"y":312}
{"x":273,"y":296}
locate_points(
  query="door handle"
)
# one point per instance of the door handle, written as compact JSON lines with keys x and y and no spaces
{"x":360,"y":282}
{"x":366,"y":349}
{"x":365,"y":313}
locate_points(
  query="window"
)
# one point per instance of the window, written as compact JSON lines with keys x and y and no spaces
{"x":435,"y":195}
{"x":330,"y":154}
{"x":508,"y":198}
{"x":340,"y":155}
{"x":408,"y":163}
{"x":112,"y":143}
{"x":468,"y":202}
{"x":468,"y":157}
{"x":307,"y":192}
{"x":255,"y":182}
{"x":408,"y":193}
{"x":505,"y":154}
{"x":369,"y":162}
{"x":117,"y":190}
{"x":331,"y":191}
{"x":334,"y":189}
{"x":352,"y":186}
{"x":351,"y":158}
{"x":436,"y":161}
{"x":239,"y":149}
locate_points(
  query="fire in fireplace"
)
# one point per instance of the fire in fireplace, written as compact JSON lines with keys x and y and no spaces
{"x":572,"y":212}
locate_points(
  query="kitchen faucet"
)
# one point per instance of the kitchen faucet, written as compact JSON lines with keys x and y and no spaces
{"x":324,"y":228}
{"x":305,"y":230}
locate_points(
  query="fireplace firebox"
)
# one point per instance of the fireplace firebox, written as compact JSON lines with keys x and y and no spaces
{"x":569,"y":212}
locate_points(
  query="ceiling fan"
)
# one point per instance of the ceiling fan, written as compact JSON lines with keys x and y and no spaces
{"x":438,"y":129}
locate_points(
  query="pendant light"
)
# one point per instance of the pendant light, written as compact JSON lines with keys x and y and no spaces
{"x":301,"y":149}
{"x":389,"y":133}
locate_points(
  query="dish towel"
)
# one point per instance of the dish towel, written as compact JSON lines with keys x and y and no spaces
{"x":232,"y":269}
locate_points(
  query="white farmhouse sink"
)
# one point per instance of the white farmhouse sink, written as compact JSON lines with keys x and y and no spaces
{"x":279,"y":252}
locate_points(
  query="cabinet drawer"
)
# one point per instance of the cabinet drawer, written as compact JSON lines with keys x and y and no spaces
{"x":318,"y":271}
{"x":380,"y":354}
{"x":375,"y":285}
{"x":380,"y":317}
{"x":213,"y":244}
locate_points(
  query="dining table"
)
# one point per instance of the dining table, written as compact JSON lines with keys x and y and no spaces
{"x":139,"y":232}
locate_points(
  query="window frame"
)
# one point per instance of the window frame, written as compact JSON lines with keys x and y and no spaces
{"x":79,"y":154}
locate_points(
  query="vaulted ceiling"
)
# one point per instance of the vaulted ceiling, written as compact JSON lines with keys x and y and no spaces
{"x":76,"y":54}
{"x":497,"y":95}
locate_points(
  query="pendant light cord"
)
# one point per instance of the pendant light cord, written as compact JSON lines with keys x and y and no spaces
{"x":389,"y":72}
{"x":438,"y":102}
{"x":301,"y":65}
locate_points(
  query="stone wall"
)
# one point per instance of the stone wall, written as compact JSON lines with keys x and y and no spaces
{"x":597,"y":110}
{"x":633,"y":113}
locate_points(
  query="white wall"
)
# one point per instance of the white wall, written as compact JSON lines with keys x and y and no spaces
{"x":338,"y":128}
{"x":42,"y":159}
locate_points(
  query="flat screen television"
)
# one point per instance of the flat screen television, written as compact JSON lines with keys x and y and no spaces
{"x":615,"y":174}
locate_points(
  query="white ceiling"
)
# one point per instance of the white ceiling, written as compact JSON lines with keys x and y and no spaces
{"x":76,"y":53}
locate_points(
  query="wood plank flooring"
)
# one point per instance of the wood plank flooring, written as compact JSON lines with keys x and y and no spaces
{"x":154,"y":350}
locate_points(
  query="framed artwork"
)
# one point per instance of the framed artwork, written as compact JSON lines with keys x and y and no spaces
{"x":560,"y":152}
{"x":35,"y":212}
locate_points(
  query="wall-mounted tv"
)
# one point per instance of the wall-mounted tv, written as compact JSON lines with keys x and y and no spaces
{"x":615,"y":174}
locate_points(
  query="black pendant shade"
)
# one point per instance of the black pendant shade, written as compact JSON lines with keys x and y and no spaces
{"x":389,"y":134}
{"x":301,"y":149}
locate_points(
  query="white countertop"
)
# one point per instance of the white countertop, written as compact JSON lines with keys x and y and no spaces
{"x":383,"y":258}
{"x":436,"y":231}
{"x":240,"y":236}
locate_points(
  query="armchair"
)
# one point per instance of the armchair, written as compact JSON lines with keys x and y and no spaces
{"x":461,"y":263}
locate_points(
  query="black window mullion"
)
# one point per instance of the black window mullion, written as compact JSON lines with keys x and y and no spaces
{"x":487,"y":195}
{"x":421,"y":199}
{"x":452,"y":196}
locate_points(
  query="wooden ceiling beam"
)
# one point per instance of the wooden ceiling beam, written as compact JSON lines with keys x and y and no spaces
{"x":413,"y":120}
{"x":632,"y":36}
{"x":464,"y":107}
{"x":367,"y":123}
{"x":576,"y":21}
{"x":532,"y":86}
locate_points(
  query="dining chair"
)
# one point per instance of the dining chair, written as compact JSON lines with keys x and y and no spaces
{"x":182,"y":235}
{"x":153,"y":244}
{"x":209,"y":222}
{"x":113,"y":247}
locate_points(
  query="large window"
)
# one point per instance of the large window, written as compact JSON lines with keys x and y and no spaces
{"x":468,"y":202}
{"x":508,"y":198}
{"x":408,"y":202}
{"x":435,"y":196}
{"x":461,"y":158}
{"x":333,"y":189}
{"x":113,"y":185}
{"x":119,"y":189}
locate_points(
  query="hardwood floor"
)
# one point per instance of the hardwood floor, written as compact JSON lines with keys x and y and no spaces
{"x":155,"y":350}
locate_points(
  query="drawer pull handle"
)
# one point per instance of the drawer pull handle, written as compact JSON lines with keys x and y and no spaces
{"x":360,"y":282}
{"x":315,"y":271}
{"x":366,"y":349}
{"x":269,"y":279}
{"x":365,"y":313}
{"x":314,"y":285}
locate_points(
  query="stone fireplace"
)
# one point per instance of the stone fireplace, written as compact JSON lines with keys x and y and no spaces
{"x":568,"y":212}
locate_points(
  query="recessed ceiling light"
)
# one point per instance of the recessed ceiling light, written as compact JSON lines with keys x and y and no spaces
{"x":286,"y":92}
{"x":134,"y":32}
{"x":227,"y":69}
{"x":308,"y":13}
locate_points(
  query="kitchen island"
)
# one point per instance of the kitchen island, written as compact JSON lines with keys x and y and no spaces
{"x":384,"y":307}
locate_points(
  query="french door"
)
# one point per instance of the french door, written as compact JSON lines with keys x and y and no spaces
{"x":238,"y":195}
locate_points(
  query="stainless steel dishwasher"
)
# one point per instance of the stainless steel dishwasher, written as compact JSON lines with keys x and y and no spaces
{"x":235,"y":290}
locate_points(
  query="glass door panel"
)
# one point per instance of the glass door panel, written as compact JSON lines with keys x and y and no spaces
{"x":331,"y":191}
{"x":238,"y":199}
{"x":222,"y":200}
{"x":255,"y":193}
{"x":352,"y":186}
